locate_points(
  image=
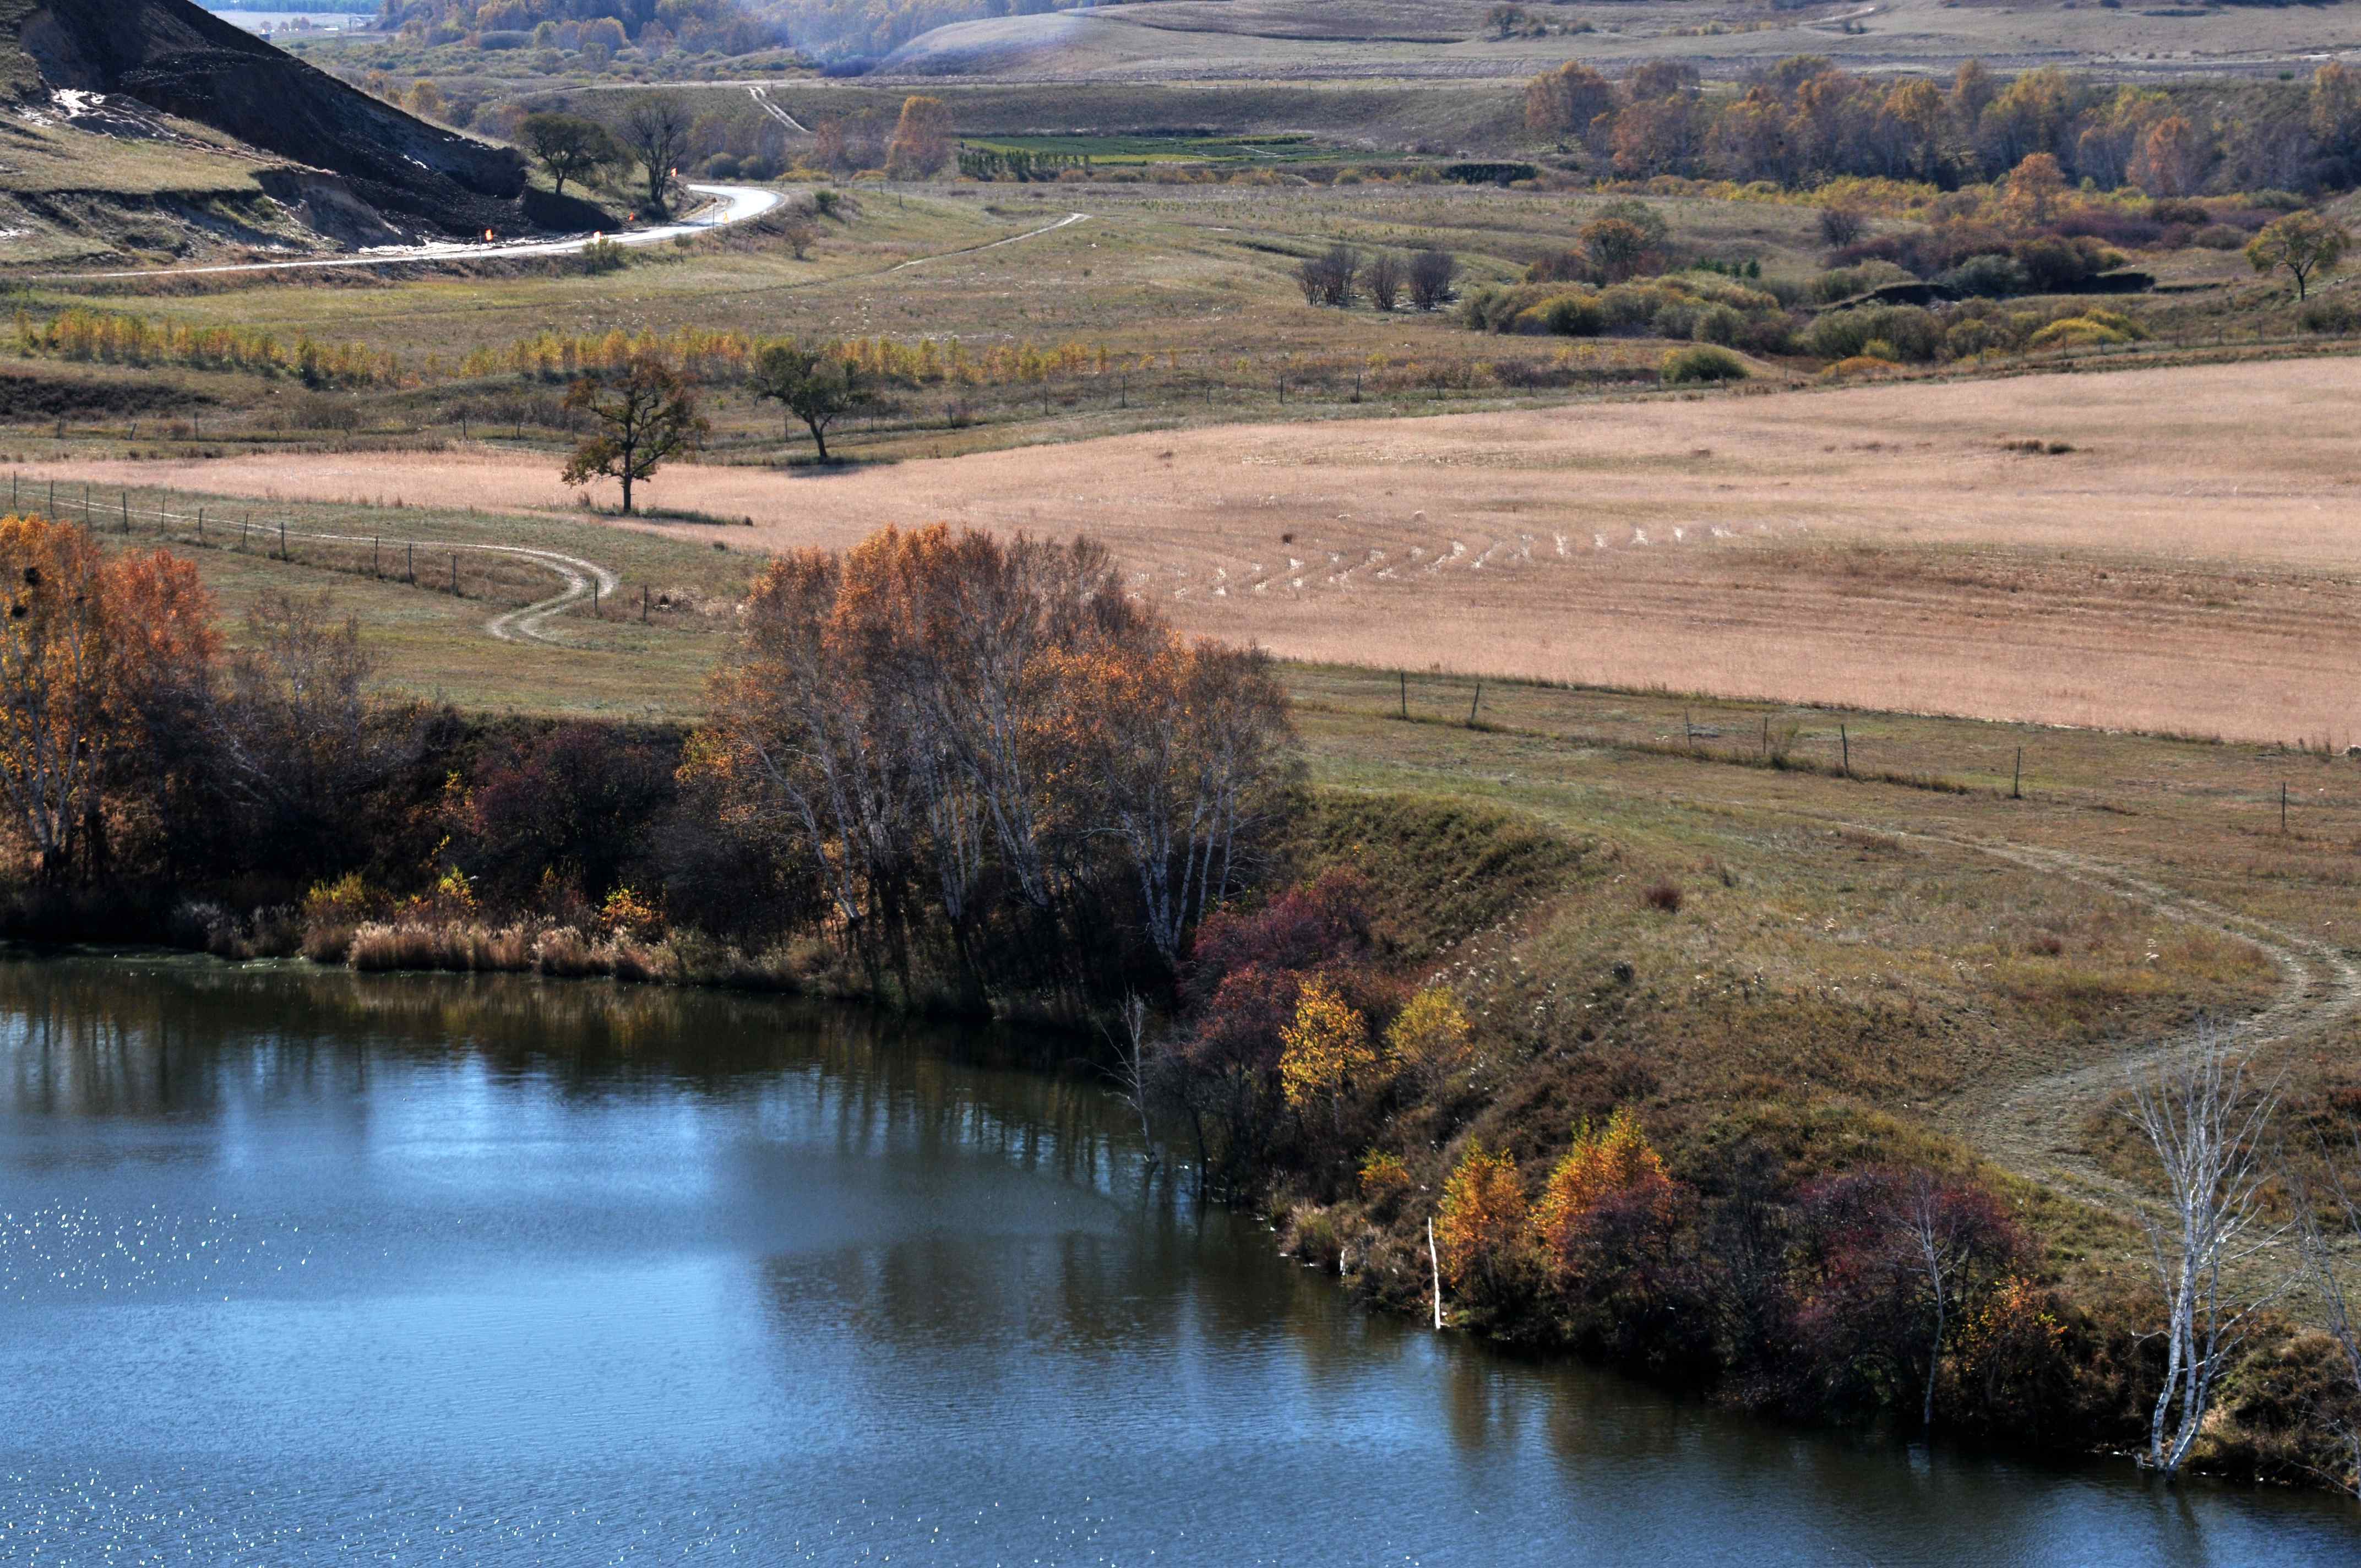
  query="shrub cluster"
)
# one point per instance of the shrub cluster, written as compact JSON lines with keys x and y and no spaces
{"x":1704,"y":307}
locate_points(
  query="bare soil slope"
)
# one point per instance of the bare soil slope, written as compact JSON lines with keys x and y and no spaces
{"x":365,"y":169}
{"x":2192,"y":564}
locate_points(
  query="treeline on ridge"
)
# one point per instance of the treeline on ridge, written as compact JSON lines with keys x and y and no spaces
{"x":1804,"y":121}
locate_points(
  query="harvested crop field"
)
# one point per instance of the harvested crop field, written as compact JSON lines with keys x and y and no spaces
{"x":2173,"y":549}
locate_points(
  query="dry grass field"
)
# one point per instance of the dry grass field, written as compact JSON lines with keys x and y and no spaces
{"x":1208,"y":40}
{"x":2187,"y":566}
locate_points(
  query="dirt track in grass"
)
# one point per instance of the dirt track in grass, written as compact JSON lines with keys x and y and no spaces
{"x":2192,"y":564}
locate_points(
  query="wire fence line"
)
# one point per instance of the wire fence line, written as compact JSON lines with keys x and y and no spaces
{"x":505,"y":573}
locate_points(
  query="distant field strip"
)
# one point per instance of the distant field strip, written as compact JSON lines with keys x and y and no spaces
{"x":2188,"y":559}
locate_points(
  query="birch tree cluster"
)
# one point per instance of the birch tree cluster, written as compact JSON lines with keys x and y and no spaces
{"x":988,"y":757}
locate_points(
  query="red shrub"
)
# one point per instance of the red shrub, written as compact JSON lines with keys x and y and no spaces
{"x":1323,"y":922}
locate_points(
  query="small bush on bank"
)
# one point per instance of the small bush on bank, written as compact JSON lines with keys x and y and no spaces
{"x":1700,"y":365}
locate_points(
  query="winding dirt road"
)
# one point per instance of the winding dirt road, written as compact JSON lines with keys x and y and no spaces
{"x":524,"y":623}
{"x":2036,"y":1126}
{"x":727,"y":204}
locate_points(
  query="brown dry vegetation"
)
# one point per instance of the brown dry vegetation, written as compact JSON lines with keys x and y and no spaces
{"x":2186,"y":567}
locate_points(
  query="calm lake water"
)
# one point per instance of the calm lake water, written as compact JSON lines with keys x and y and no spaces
{"x":302,"y":1268}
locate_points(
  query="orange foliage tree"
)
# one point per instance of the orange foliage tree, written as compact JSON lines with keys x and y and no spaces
{"x":90,"y":650}
{"x":946,"y":723}
{"x":1615,"y":1161}
{"x":1482,"y":1229}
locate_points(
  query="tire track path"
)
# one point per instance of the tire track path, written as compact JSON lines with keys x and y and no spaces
{"x":523,"y":623}
{"x":2035,"y":1126}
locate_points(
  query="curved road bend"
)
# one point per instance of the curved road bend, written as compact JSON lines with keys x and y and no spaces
{"x":728,"y":204}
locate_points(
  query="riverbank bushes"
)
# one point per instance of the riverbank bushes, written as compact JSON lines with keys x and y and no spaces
{"x":974,"y":772}
{"x":1367,"y":1051}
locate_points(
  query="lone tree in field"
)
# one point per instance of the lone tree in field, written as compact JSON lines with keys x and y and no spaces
{"x":655,"y":132}
{"x":2303,"y":243}
{"x":648,"y":414}
{"x":922,"y":139}
{"x":1432,"y":276}
{"x":569,"y":147}
{"x":817,"y":389}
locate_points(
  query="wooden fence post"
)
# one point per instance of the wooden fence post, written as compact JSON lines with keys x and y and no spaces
{"x":1474,"y":702}
{"x":2017,"y":780}
{"x":1845,"y":740}
{"x":1404,"y":674}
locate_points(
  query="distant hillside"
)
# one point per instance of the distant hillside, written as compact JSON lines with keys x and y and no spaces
{"x":174,"y":56}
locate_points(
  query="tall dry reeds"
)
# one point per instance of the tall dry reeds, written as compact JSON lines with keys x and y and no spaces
{"x":557,"y":951}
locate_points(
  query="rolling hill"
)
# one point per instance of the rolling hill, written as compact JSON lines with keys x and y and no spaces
{"x":154,"y":124}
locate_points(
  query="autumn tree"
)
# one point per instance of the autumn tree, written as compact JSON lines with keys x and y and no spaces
{"x":2299,"y":244}
{"x":1566,"y":100}
{"x":1604,"y":1162}
{"x":1431,"y":1037}
{"x":655,"y":130}
{"x":810,"y":385}
{"x":294,"y":730}
{"x":1618,"y":249}
{"x":2172,"y":159}
{"x":164,"y":647}
{"x":2030,"y":195}
{"x":922,"y":139}
{"x":1383,"y":278}
{"x":55,"y":730}
{"x":1481,"y":1228}
{"x":569,"y":147}
{"x":942,"y":724}
{"x":2211,"y":1242}
{"x":1192,"y":765}
{"x":646,"y":413}
{"x":1897,"y":1261}
{"x":1324,"y":1052}
{"x":800,"y":744}
{"x":2335,"y":109}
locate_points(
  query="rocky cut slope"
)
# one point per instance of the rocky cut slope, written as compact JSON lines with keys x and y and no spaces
{"x":174,"y":56}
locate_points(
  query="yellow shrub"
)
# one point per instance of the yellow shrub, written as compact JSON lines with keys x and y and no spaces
{"x":626,"y":913}
{"x":1325,"y":1049}
{"x":1431,"y":1036}
{"x":1384,"y":1177}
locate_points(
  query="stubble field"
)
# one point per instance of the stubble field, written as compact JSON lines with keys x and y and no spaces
{"x":2185,"y":565}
